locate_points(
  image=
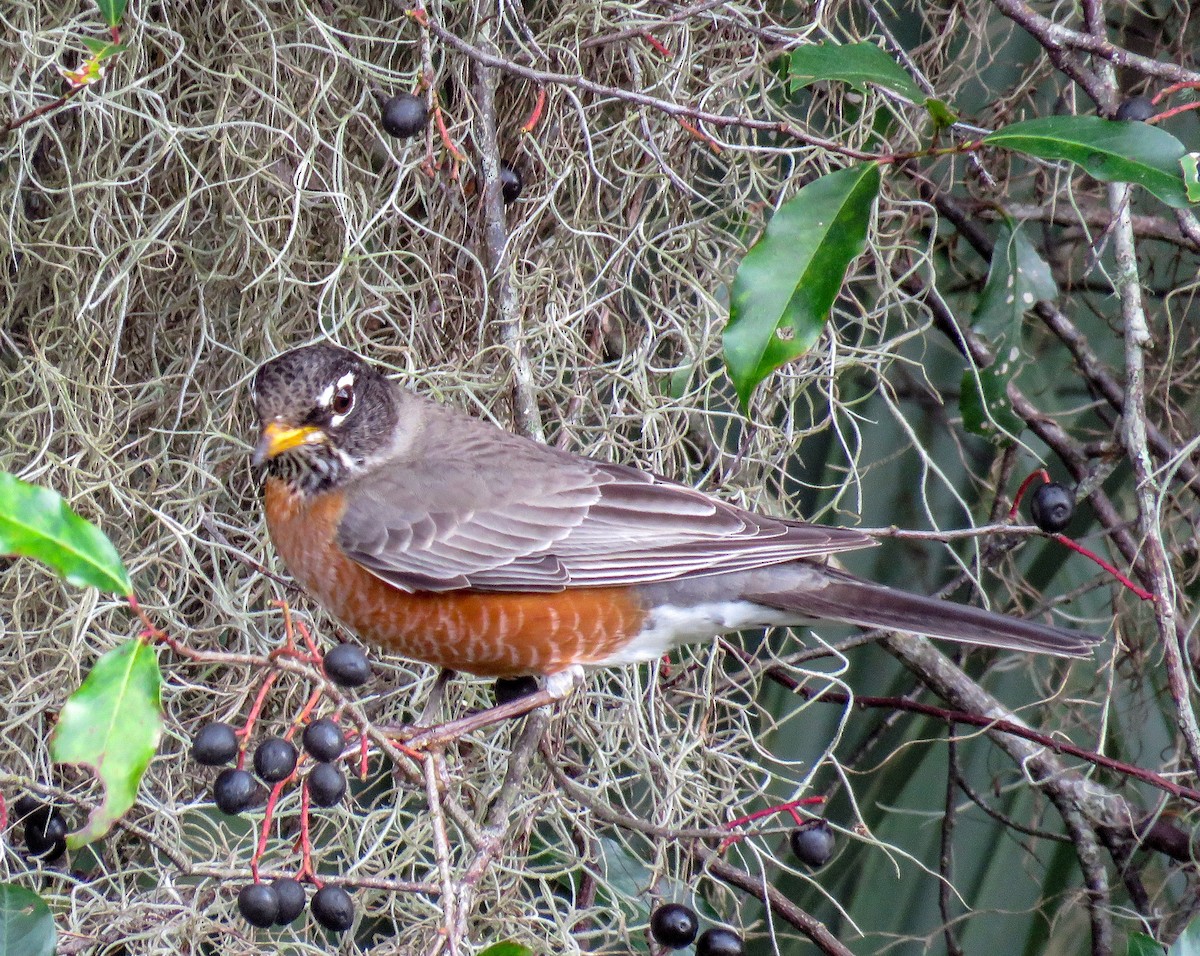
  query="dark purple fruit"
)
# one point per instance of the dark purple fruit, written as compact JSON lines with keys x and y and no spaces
{"x":323,"y":740}
{"x":511,"y":184}
{"x":46,"y":833}
{"x":674,"y":925}
{"x":214,"y":745}
{"x":1052,"y":507}
{"x":404,"y":115}
{"x":813,"y":844}
{"x":508,"y":689}
{"x":326,"y":785}
{"x":333,"y":908}
{"x":719,"y":941}
{"x":26,"y":806}
{"x":259,"y":904}
{"x":290,"y":896}
{"x":347,"y":666}
{"x":233,"y":791}
{"x":275,"y":759}
{"x":1139,"y":108}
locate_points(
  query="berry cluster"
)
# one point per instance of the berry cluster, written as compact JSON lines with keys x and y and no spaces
{"x":44,"y":828}
{"x":405,"y":115}
{"x":277,"y":761}
{"x":675,"y":925}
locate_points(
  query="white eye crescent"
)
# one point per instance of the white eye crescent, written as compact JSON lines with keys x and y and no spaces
{"x":343,"y":400}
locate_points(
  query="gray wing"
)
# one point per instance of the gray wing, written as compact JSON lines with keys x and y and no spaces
{"x":485,"y":510}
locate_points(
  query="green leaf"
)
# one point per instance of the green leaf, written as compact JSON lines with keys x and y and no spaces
{"x":941,"y":114}
{"x":1018,"y":279}
{"x":1191,"y":176}
{"x":36,"y":523}
{"x":103,"y":49}
{"x":112,"y":10}
{"x":507,"y":949}
{"x":112,"y":724}
{"x":26,"y":926}
{"x":858,"y":64}
{"x":984,"y":405}
{"x":787,"y":282}
{"x":1108,"y":150}
{"x":1140,"y":944}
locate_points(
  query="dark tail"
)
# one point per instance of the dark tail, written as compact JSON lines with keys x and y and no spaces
{"x":842,"y":597}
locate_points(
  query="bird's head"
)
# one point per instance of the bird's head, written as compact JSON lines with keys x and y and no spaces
{"x":323,"y":413}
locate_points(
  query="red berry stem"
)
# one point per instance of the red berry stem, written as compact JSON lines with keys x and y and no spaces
{"x":536,"y":115}
{"x":255,"y":710}
{"x":1045,"y":476}
{"x":1080,"y":549}
{"x":659,"y":47}
{"x":789,"y":807}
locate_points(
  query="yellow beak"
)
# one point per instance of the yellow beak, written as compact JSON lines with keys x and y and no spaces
{"x":276,"y":438}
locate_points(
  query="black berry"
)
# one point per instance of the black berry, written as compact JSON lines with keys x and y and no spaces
{"x":511,"y":184}
{"x":26,"y":805}
{"x":323,"y":740}
{"x":290,"y":896}
{"x":333,"y":908}
{"x":1052,"y":507}
{"x":214,"y":745}
{"x":674,"y":925}
{"x":259,"y":904}
{"x":46,"y":833}
{"x":813,"y":844}
{"x":1138,"y":108}
{"x":347,"y":666}
{"x":233,"y":790}
{"x":720,"y":942}
{"x":508,"y":689}
{"x":404,"y":115}
{"x":275,"y":759}
{"x":326,"y":785}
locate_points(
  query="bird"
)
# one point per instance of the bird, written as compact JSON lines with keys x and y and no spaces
{"x":440,"y":537}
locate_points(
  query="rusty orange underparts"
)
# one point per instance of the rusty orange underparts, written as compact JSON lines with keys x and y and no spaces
{"x":484,"y":633}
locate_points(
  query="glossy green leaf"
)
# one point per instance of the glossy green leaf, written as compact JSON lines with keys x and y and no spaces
{"x":984,"y":405}
{"x":112,"y":725}
{"x":858,"y":64}
{"x":1018,"y":279}
{"x":112,"y":10}
{"x":788,"y":281}
{"x":1191,"y":176}
{"x":26,"y":926}
{"x":36,"y":523}
{"x":507,"y":949}
{"x":1108,"y":150}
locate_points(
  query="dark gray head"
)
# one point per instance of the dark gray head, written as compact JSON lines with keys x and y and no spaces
{"x":323,"y":413}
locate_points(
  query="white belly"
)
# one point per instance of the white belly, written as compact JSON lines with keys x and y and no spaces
{"x":667,"y":627}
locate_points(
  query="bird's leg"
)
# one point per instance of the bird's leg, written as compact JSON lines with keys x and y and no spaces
{"x":557,"y":687}
{"x":436,"y":695}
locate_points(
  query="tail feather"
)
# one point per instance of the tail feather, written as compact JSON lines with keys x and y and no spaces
{"x":843,"y":597}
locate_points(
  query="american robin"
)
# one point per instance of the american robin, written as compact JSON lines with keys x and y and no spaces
{"x":442,"y":538}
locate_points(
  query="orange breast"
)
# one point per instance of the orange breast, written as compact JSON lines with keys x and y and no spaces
{"x":485,"y":633}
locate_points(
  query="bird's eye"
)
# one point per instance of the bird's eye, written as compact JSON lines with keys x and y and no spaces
{"x":343,"y":400}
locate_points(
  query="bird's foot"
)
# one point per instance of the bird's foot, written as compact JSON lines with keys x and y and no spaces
{"x":561,"y":684}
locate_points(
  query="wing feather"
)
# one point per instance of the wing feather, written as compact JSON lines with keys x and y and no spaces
{"x":468,"y":506}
